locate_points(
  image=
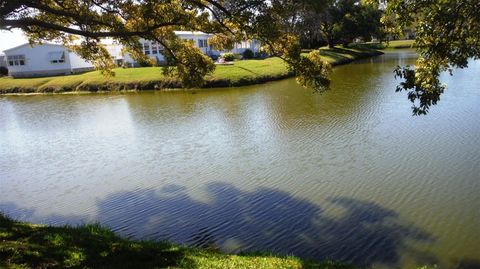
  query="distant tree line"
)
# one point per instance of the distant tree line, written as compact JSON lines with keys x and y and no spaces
{"x":333,"y":22}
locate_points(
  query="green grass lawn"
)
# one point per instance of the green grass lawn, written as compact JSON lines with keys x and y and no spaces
{"x":400,"y":44}
{"x":394,"y":44}
{"x":250,"y":69}
{"x":24,"y":245}
{"x":148,"y":78}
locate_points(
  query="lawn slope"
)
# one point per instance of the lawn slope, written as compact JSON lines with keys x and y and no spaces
{"x":242,"y":73}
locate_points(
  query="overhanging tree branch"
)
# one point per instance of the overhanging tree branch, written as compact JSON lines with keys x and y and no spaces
{"x":22,"y":23}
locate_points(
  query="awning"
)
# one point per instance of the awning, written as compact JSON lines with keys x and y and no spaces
{"x":56,"y":56}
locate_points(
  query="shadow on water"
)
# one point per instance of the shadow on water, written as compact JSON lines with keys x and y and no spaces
{"x":363,"y":233}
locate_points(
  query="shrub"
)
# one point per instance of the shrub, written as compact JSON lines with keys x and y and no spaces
{"x":148,"y":62}
{"x":229,"y":57}
{"x":261,"y":55}
{"x":214,"y":57}
{"x":248,"y":54}
{"x":3,"y":71}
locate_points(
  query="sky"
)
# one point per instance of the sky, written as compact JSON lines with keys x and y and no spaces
{"x":11,"y":39}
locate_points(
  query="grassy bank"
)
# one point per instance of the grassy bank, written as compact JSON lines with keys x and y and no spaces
{"x":395,"y":44}
{"x":242,"y":73}
{"x":401,"y":44}
{"x":24,"y":245}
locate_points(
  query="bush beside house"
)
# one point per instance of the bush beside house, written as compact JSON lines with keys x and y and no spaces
{"x":3,"y":71}
{"x":228,"y":57}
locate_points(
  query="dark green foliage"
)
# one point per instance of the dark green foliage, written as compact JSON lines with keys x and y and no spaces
{"x":248,"y":54}
{"x":351,"y":19}
{"x":3,"y":71}
{"x":340,"y":22}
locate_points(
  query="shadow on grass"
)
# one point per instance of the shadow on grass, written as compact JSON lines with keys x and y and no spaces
{"x":341,"y":55}
{"x":248,"y":70}
{"x":267,"y":220}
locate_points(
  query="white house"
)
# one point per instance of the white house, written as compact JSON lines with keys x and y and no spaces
{"x":200,"y":39}
{"x":53,"y":59}
{"x":155,"y":51}
{"x":43,"y":60}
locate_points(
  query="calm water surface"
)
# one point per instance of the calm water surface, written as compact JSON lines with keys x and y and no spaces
{"x":348,"y":174}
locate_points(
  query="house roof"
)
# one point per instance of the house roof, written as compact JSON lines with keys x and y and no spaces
{"x":190,"y":33}
{"x":28,"y":44}
{"x":108,"y":43}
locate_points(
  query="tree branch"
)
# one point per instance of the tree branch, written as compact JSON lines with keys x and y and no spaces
{"x":22,"y":23}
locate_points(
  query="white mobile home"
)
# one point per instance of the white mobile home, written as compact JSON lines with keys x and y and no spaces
{"x":155,"y":51}
{"x":54,"y":59}
{"x":43,"y":60}
{"x":200,"y":39}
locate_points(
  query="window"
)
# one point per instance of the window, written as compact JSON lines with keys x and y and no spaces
{"x":157,"y":48}
{"x":154,"y":48}
{"x":56,"y":57}
{"x":146,"y":48}
{"x":244,"y":45}
{"x":202,"y":43}
{"x":15,"y":60}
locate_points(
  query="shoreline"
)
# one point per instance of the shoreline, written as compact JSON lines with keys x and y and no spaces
{"x":27,"y":245}
{"x":242,"y":73}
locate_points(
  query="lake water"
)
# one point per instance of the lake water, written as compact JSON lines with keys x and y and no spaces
{"x":348,"y":174}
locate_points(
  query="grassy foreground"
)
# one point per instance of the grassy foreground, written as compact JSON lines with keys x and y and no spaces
{"x":242,"y":73}
{"x":24,"y":245}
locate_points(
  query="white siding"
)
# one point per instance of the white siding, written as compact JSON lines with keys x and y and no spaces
{"x":196,"y":37}
{"x":76,"y":62}
{"x":37,"y":61}
{"x":241,"y":47}
{"x":115,"y":51}
{"x":153,"y":54}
